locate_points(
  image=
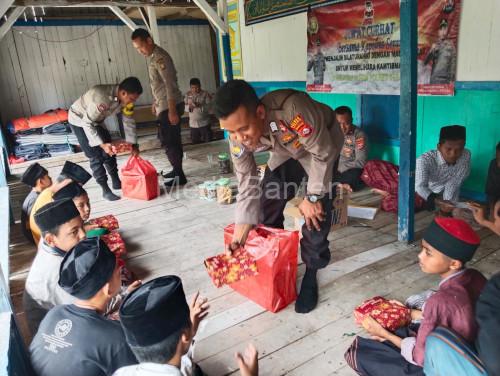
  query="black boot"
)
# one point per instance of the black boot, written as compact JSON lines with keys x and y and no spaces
{"x":107,"y":193}
{"x":177,"y":181}
{"x":308,"y":296}
{"x":115,"y":181}
{"x":168,"y":175}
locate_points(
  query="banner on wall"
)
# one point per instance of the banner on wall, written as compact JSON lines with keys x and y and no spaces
{"x":234,"y":38}
{"x":354,"y":47}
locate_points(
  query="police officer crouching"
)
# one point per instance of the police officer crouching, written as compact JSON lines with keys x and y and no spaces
{"x":86,"y":116}
{"x":305,"y":140}
{"x":76,"y":339}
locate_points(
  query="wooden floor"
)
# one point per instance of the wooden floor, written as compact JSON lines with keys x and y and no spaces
{"x":176,"y":232}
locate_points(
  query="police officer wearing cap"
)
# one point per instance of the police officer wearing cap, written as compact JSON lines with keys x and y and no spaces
{"x":305,"y":140}
{"x":86,"y":117}
{"x":443,"y":56}
{"x":76,"y":339}
{"x":168,"y":103}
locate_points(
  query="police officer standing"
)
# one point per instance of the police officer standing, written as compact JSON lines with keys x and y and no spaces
{"x":443,"y":56}
{"x":86,"y":116}
{"x":305,"y":140}
{"x":317,"y":64}
{"x":168,"y":103}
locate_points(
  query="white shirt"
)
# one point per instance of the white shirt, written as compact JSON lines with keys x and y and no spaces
{"x":434,"y":175}
{"x":148,"y":369}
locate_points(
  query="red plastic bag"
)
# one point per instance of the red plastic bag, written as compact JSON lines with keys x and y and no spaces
{"x":275,"y":251}
{"x":139,"y":179}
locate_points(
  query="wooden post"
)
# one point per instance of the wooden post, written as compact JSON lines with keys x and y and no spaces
{"x":4,"y":6}
{"x":407,"y":119}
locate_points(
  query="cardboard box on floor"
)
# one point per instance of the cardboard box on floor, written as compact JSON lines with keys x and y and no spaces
{"x":339,"y":212}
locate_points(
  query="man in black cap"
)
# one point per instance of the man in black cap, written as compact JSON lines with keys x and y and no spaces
{"x":38,"y":179}
{"x":160,"y":326}
{"x":442,"y":171}
{"x":77,"y":339}
{"x":62,"y":229}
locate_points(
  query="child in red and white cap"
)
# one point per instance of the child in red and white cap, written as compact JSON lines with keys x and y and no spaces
{"x":447,"y":245}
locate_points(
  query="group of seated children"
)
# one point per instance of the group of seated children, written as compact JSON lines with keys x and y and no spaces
{"x":87,"y":318}
{"x":82,"y":317}
{"x":439,"y":173}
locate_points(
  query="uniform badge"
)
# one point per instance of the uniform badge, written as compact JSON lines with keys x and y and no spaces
{"x":273,"y":126}
{"x":283,"y":127}
{"x":161,"y":63}
{"x":287,"y":137}
{"x":101,"y":107}
{"x":237,"y":151}
{"x":360,"y":143}
{"x":297,"y":144}
{"x":299,"y":125}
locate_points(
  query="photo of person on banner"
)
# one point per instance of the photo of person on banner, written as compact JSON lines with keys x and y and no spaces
{"x":317,"y":64}
{"x":443,"y":57}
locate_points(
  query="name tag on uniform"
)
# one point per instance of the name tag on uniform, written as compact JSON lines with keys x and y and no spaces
{"x":273,"y":126}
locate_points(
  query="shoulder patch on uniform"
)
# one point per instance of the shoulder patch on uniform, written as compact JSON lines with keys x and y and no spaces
{"x":237,"y":151}
{"x":297,"y":144}
{"x":273,"y":126}
{"x":360,"y":143}
{"x":299,"y":125}
{"x":283,"y":127}
{"x":161,"y":63}
{"x":101,"y":107}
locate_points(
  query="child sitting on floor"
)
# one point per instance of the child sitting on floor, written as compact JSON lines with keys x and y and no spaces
{"x":81,"y":200}
{"x":447,"y":245}
{"x":38,"y":179}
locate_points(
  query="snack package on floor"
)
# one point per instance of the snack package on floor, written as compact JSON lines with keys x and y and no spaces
{"x":389,"y":314}
{"x":115,"y":243}
{"x":276,"y":252}
{"x":139,"y":179}
{"x":224,"y":269}
{"x":109,"y":222}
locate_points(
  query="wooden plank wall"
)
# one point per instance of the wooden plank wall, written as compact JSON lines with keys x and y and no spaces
{"x":39,"y":74}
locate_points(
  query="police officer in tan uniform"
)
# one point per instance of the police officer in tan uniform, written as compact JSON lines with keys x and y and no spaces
{"x":305,"y":140}
{"x":443,"y":56}
{"x":168,"y":103}
{"x":86,"y":116}
{"x":354,"y":153}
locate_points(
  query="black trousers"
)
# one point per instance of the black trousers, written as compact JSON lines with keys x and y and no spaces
{"x":279,"y":187}
{"x":351,"y":177}
{"x":202,"y":134}
{"x":170,"y":137}
{"x":99,"y":160}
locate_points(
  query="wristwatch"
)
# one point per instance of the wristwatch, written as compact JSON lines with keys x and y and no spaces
{"x":313,"y":198}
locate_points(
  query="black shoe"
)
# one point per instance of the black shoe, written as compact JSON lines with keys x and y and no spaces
{"x":308,"y":296}
{"x":177,"y":181}
{"x":107,"y":194}
{"x":115,"y":182}
{"x":168,"y":175}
